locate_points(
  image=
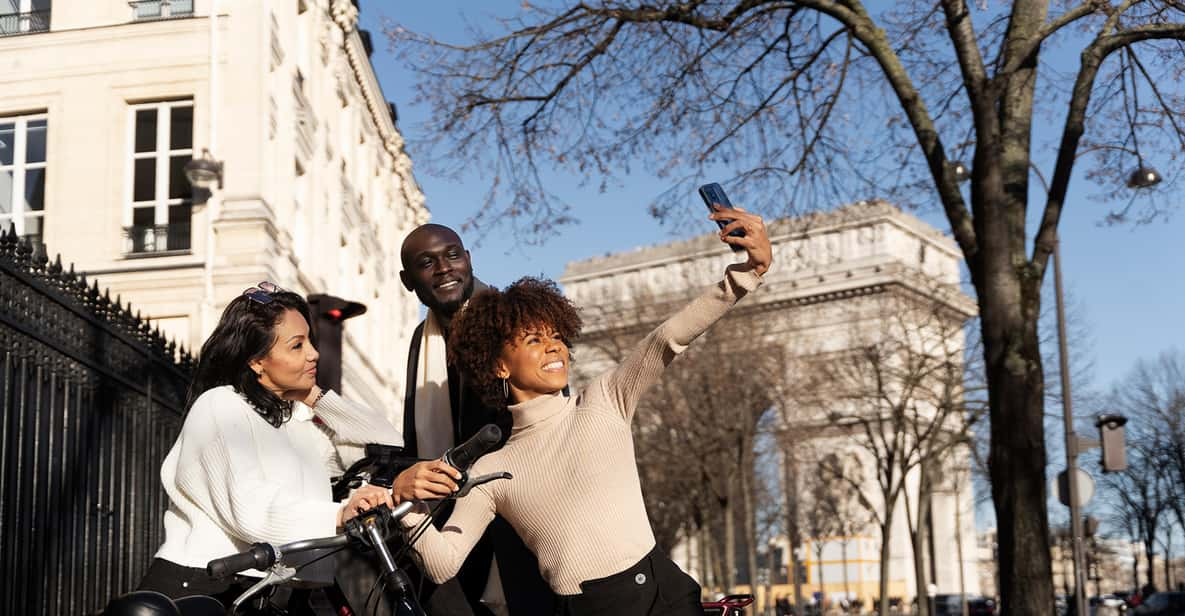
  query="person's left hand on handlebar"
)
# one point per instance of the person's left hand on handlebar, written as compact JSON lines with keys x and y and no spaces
{"x":426,"y":481}
{"x":756,"y":240}
{"x":362,"y":499}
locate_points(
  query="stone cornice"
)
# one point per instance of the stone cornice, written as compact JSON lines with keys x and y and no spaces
{"x":345,"y":15}
{"x":861,"y":213}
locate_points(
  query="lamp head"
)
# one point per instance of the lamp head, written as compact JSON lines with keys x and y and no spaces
{"x":204,"y":172}
{"x":1144,"y":177}
{"x":960,"y":170}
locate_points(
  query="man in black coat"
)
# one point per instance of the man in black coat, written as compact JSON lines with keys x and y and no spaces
{"x":440,"y":411}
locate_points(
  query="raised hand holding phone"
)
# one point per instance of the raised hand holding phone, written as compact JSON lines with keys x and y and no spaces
{"x":740,"y":229}
{"x":716,"y":200}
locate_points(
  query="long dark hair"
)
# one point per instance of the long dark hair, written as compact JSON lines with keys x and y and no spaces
{"x":245,"y":332}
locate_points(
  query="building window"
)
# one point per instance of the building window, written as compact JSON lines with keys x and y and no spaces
{"x":22,"y":174}
{"x":23,"y":16}
{"x":161,"y":199}
{"x":160,"y":9}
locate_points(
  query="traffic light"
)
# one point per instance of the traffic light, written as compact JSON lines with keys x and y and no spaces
{"x":1111,"y":434}
{"x":329,"y":314}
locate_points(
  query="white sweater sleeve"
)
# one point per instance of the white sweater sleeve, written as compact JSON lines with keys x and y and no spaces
{"x":240,"y":484}
{"x":351,"y":426}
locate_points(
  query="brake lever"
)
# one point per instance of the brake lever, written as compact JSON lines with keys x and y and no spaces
{"x":276,"y":574}
{"x":473,"y":482}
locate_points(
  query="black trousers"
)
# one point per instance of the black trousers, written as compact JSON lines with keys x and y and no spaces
{"x":654,"y":586}
{"x":178,"y":581}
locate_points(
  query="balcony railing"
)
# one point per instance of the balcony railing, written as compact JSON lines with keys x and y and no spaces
{"x":24,"y":23}
{"x":149,"y":239}
{"x":145,"y":10}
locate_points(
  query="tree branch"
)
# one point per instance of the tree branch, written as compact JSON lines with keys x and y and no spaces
{"x":874,"y":38}
{"x":1074,"y":127}
{"x":962,"y":35}
{"x":1085,"y":9}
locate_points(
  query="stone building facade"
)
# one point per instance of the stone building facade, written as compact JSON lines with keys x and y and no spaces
{"x":103,"y":102}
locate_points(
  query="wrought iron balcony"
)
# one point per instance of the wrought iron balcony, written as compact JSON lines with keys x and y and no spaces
{"x":24,"y":23}
{"x":147,"y":10}
{"x":153,"y":239}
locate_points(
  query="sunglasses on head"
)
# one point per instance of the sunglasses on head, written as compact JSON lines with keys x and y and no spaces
{"x":263,"y":292}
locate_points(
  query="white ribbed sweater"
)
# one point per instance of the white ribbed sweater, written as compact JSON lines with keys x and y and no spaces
{"x":233,"y":479}
{"x":576,"y":499}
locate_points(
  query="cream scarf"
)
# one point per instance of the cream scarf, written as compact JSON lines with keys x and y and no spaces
{"x":434,"y":414}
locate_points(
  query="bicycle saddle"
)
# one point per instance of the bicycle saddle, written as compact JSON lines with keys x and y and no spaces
{"x":142,"y":603}
{"x":152,"y":603}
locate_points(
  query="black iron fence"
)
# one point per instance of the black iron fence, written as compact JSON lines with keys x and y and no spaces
{"x":90,"y":401}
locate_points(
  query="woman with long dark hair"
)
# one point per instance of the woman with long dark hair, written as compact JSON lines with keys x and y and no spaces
{"x":576,"y":499}
{"x":249,"y":465}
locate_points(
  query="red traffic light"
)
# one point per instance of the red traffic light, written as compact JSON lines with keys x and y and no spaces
{"x":335,"y":309}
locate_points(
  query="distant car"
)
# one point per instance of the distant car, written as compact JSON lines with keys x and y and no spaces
{"x":1106,"y":605}
{"x":1162,"y":604}
{"x":952,"y":605}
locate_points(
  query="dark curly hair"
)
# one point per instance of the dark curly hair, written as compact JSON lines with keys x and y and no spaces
{"x":493,"y":319}
{"x":246,"y":331}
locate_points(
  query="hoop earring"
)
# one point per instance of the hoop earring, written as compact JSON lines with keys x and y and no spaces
{"x":506,"y":388}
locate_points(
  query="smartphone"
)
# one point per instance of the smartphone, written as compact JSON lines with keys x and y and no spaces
{"x":713,"y":194}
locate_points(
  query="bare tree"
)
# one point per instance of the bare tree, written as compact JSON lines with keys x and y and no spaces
{"x":791,"y":94}
{"x":899,"y":395}
{"x":1141,"y":495}
{"x":1152,"y":397}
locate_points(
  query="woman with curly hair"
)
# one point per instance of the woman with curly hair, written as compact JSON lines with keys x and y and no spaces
{"x":576,"y":499}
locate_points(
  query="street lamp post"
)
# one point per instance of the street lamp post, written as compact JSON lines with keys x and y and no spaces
{"x":206,"y":173}
{"x":1071,"y":436}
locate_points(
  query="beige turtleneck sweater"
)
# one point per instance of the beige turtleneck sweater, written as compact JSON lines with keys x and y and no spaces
{"x":576,"y":499}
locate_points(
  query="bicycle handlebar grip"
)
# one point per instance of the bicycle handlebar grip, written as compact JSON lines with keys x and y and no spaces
{"x":464,"y":455}
{"x":260,"y":556}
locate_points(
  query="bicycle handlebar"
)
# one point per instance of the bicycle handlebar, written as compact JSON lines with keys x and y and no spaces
{"x":263,"y":555}
{"x":259,"y":556}
{"x":464,"y":455}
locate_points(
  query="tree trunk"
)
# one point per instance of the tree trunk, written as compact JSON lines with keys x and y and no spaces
{"x":1136,"y":569}
{"x":1168,"y":564}
{"x":748,"y":502}
{"x":704,"y":547}
{"x":886,"y":554}
{"x":1016,"y":461}
{"x":791,"y":482}
{"x":730,"y":543}
{"x":917,"y":536}
{"x":1150,"y":556}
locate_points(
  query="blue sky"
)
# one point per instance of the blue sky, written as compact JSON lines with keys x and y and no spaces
{"x":1124,"y":280}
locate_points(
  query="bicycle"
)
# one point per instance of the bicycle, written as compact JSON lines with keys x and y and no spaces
{"x":368,"y":530}
{"x":732,"y":605}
